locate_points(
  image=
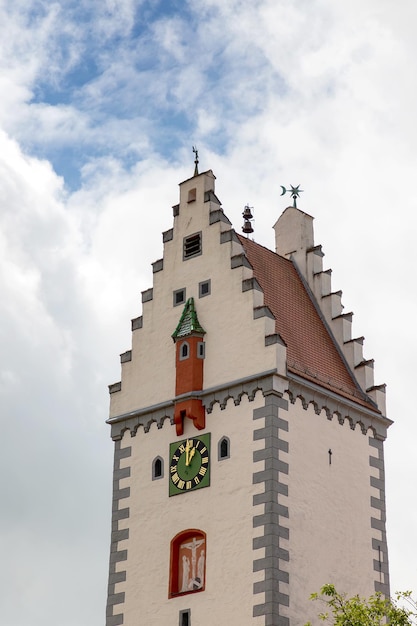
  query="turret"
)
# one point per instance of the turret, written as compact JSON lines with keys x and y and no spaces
{"x":189,"y":360}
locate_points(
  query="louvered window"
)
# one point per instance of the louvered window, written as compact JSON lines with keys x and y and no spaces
{"x":192,"y":245}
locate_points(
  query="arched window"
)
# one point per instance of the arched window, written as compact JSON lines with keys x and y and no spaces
{"x":201,"y":350}
{"x":157,"y":468}
{"x":184,"y":350}
{"x":187,"y":563}
{"x":223,"y":448}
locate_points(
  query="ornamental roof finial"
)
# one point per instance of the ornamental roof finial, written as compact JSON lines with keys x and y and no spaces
{"x":294,"y":192}
{"x":195,"y":161}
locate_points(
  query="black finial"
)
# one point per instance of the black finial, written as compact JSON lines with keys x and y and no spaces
{"x":294,"y":192}
{"x":195,"y":161}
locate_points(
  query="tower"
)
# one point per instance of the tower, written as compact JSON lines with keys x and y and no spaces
{"x":248,"y":433}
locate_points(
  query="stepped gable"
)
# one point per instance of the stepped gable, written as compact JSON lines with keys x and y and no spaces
{"x":311,"y":351}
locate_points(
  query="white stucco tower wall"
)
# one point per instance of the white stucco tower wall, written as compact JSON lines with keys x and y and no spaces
{"x":297,"y":501}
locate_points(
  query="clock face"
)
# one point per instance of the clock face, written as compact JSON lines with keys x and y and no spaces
{"x":189,"y":464}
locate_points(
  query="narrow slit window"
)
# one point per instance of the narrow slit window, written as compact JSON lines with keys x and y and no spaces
{"x":157,"y":468}
{"x":201,"y":349}
{"x":185,"y":618}
{"x":224,"y":448}
{"x":192,"y":246}
{"x":184,"y":351}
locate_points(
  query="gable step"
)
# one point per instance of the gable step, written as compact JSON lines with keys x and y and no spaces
{"x":364,"y":373}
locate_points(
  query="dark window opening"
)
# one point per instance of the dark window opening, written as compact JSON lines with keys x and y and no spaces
{"x":204,"y":289}
{"x":201,"y":351}
{"x":184,"y":351}
{"x":157,"y":468}
{"x":179,"y":297}
{"x":185,"y":618}
{"x":224,"y":448}
{"x":192,"y":245}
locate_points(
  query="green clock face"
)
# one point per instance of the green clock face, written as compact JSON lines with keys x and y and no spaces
{"x":189,"y":464}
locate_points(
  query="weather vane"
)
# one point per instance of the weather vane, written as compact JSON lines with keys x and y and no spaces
{"x":294,"y":192}
{"x":195,"y":161}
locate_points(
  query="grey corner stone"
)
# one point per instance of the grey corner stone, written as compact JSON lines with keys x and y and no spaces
{"x":158,"y":266}
{"x":376,"y":443}
{"x":274,"y":339}
{"x":382,"y":588}
{"x":126,"y":356}
{"x":377,"y":483}
{"x":374,"y":462}
{"x":125,"y":452}
{"x":121,"y":514}
{"x":117,"y":598}
{"x":265,"y":433}
{"x":115,"y":387}
{"x":120,"y":535}
{"x":121,"y":473}
{"x":248,"y":284}
{"x":119,"y":494}
{"x":377,"y":523}
{"x":239,"y":260}
{"x":117,"y":577}
{"x":317,"y":250}
{"x":114,"y":620}
{"x":377,"y":503}
{"x":228,"y":235}
{"x":210,"y":196}
{"x":218,"y":216}
{"x":116,"y":557}
{"x":168,"y":235}
{"x":380,"y":566}
{"x":262,"y":311}
{"x":270,"y":410}
{"x":137,"y":323}
{"x":147,"y":295}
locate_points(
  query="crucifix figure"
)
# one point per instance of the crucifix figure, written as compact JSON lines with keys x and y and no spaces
{"x":193,"y":545}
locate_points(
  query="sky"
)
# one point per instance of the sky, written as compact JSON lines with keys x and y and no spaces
{"x":101,"y":103}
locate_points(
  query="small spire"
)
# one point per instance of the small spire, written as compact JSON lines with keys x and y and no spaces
{"x":188,"y":323}
{"x":195,"y":161}
{"x":294,"y":192}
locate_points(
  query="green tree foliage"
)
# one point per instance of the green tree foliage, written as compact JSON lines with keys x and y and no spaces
{"x":374,"y":611}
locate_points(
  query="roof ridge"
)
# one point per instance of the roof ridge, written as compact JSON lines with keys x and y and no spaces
{"x":311,"y":343}
{"x":359,"y":391}
{"x":259,"y":245}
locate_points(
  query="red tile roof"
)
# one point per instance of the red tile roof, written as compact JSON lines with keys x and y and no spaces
{"x":311,"y":350}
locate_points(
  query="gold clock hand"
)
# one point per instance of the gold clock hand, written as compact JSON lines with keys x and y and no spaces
{"x":187,"y":453}
{"x":191,"y":454}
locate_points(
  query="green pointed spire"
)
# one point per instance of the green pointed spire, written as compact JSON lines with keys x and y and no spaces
{"x":188,"y":323}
